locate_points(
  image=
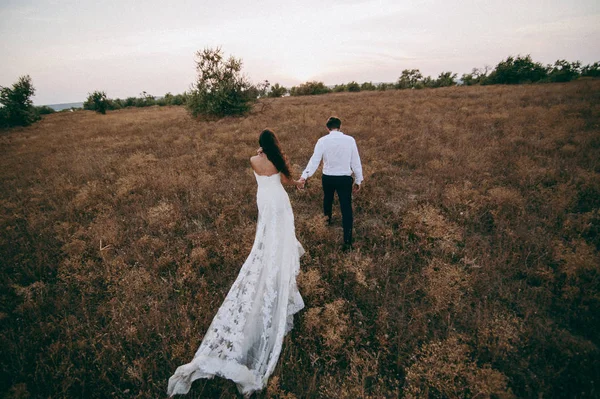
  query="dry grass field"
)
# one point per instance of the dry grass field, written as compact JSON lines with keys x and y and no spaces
{"x":475,"y":273}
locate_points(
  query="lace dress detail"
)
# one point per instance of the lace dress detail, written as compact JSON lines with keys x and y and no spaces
{"x":244,"y":340}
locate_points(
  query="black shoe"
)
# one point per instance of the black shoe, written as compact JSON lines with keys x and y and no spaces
{"x":347,"y":247}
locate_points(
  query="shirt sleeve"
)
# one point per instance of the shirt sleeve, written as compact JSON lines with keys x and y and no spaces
{"x":356,"y":165}
{"x":315,"y":161}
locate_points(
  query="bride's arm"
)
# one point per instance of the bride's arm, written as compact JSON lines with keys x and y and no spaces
{"x":287,"y":180}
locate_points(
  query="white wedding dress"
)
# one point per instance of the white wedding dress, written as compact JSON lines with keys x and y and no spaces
{"x":244,"y":340}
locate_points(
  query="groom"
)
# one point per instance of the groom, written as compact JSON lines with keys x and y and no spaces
{"x":340,"y":158}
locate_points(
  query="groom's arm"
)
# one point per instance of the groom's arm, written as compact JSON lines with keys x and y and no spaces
{"x":356,"y":165}
{"x":314,"y":162}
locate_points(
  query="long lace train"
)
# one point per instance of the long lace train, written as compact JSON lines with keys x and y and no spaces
{"x":244,"y":340}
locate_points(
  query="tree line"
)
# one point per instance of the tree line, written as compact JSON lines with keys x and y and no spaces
{"x":98,"y":101}
{"x":221,"y":89}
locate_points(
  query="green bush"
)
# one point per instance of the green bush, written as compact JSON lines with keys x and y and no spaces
{"x":339,"y":88}
{"x":368,"y":86}
{"x":409,"y":79}
{"x":167,"y":99}
{"x":145,"y":100}
{"x":428,"y":81}
{"x":220,"y":89}
{"x":115,"y":104}
{"x":476,"y":76}
{"x":385,"y":86}
{"x":277,"y":91}
{"x":564,"y":71}
{"x":16,"y":107}
{"x":446,"y":79}
{"x":516,"y":71}
{"x":130,"y":102}
{"x":309,"y":89}
{"x":353,"y":87}
{"x":179,"y":99}
{"x":44,"y":110}
{"x":96,"y":101}
{"x":591,"y":70}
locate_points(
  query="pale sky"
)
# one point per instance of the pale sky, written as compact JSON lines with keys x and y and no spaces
{"x":124,"y":47}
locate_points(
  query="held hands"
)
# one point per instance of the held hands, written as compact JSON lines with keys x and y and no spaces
{"x":300,"y":183}
{"x":356,"y":188}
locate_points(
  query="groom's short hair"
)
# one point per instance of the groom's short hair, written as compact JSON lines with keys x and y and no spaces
{"x":333,"y":123}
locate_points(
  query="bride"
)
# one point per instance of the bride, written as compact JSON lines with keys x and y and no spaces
{"x":244,"y":340}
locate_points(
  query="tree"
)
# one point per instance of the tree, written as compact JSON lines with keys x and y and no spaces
{"x":409,"y":79}
{"x":179,"y":99}
{"x":309,"y":89}
{"x":115,"y":104}
{"x":592,"y":70}
{"x":144,"y":100}
{"x":564,"y":71}
{"x":16,"y":107}
{"x":220,"y":88}
{"x":385,"y":86}
{"x":476,"y":76}
{"x":44,"y":110}
{"x":429,"y":82}
{"x":277,"y":91}
{"x":353,"y":87}
{"x":516,"y":71}
{"x":97,"y":101}
{"x":129,"y":102}
{"x":368,"y":86}
{"x":446,"y":79}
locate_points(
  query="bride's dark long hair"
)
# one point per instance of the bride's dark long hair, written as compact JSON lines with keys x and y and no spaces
{"x":270,"y":146}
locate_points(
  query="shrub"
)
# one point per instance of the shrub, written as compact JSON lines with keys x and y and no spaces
{"x":476,"y":76}
{"x":277,"y":91}
{"x":96,"y":101}
{"x":16,"y":107}
{"x":129,"y":102}
{"x":428,"y":82}
{"x":179,"y":99}
{"x":591,"y":70}
{"x":309,"y":89}
{"x":564,"y":71}
{"x":220,"y":88}
{"x":446,"y":79}
{"x":115,"y":104}
{"x":368,"y":86}
{"x":170,"y":99}
{"x":409,"y":79}
{"x":385,"y":86}
{"x":339,"y":88}
{"x":44,"y":110}
{"x":517,"y":70}
{"x":353,"y":87}
{"x":145,"y":100}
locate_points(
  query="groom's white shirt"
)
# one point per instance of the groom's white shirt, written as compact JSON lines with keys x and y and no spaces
{"x":339,"y":154}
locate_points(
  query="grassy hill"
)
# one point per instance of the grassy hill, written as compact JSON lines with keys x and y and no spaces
{"x":475,"y":273}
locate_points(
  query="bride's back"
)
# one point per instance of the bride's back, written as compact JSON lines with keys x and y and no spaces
{"x":262,"y":166}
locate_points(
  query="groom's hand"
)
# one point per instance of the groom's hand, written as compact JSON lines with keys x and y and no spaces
{"x":302,"y":182}
{"x":356,"y":188}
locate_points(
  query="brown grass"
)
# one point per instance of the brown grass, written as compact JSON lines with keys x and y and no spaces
{"x":475,"y":274}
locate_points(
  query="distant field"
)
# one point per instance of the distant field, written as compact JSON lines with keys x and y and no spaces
{"x":476,"y":273}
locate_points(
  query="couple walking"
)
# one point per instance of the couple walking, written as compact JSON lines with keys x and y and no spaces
{"x":244,"y":340}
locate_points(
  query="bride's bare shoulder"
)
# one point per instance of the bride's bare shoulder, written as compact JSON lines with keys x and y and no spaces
{"x":257,"y":163}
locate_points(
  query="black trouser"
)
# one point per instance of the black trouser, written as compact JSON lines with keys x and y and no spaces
{"x":343,"y":186}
